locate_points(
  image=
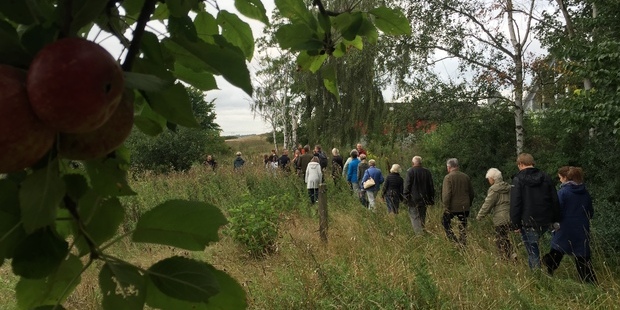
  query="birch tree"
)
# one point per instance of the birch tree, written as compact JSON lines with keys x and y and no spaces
{"x":489,"y":39}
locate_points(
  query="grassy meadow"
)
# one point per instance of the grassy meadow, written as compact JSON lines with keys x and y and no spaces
{"x":372,"y":260}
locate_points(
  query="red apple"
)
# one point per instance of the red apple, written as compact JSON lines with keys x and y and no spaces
{"x":74,"y":85}
{"x":103,"y":140}
{"x":24,"y":139}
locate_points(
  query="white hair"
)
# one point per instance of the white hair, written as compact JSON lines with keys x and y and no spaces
{"x":452,"y":163}
{"x":494,"y":174}
{"x":395,"y":168}
{"x":416,"y":160}
{"x":335,"y":151}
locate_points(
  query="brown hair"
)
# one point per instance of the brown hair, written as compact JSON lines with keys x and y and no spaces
{"x":563,"y":171}
{"x":525,"y":159}
{"x":575,"y":174}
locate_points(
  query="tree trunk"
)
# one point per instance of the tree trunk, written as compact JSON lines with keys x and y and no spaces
{"x":518,"y":80}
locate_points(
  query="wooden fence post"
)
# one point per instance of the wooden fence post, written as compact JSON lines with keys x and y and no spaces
{"x":323,"y":212}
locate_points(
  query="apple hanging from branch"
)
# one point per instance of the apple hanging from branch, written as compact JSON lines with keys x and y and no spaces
{"x":74,"y":85}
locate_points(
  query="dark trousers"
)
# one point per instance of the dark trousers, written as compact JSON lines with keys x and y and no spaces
{"x":314,"y":195}
{"x":447,"y":225}
{"x":586,"y":273}
{"x":502,"y":240}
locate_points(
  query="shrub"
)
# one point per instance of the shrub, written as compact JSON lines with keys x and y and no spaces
{"x":254,"y":224}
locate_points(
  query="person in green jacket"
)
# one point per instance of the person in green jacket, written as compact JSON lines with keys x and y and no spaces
{"x":457,"y":194}
{"x":498,"y":202}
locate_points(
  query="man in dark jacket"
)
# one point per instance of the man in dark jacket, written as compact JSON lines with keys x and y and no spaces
{"x":419,"y":192}
{"x":457,"y":195}
{"x":534,"y":205}
{"x":283,"y":161}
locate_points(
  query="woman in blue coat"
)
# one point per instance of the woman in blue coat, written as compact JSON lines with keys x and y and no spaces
{"x":572,"y":237}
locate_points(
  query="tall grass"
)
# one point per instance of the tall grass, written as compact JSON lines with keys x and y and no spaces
{"x":372,"y":260}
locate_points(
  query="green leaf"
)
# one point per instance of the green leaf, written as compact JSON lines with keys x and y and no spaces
{"x":200,"y":79}
{"x":357,"y":43}
{"x":132,"y":7}
{"x":107,"y":177}
{"x":51,"y":290}
{"x":348,"y":24}
{"x":11,"y":52}
{"x":297,"y":12}
{"x":368,"y":30}
{"x":180,"y":8}
{"x":184,"y":279}
{"x":152,"y":49}
{"x":330,"y":80}
{"x":206,"y":26}
{"x":85,"y":12}
{"x":11,"y":230}
{"x":253,"y":9}
{"x":237,"y":32}
{"x":184,"y":224}
{"x":17,"y":11}
{"x":158,"y":300}
{"x":173,"y":103}
{"x":35,"y":37}
{"x":313,"y":63}
{"x":147,"y":82}
{"x":182,"y":27}
{"x":391,"y":21}
{"x":149,"y":122}
{"x":161,"y":12}
{"x":231,"y":295}
{"x":39,"y":254}
{"x":298,"y":37}
{"x":40,"y":195}
{"x":77,"y":185}
{"x":222,"y":58}
{"x":101,"y":218}
{"x":122,"y":287}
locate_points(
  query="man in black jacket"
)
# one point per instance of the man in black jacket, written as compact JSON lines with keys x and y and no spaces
{"x":419,"y":192}
{"x":534,"y":205}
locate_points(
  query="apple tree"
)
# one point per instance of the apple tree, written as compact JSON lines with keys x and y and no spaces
{"x":63,"y":97}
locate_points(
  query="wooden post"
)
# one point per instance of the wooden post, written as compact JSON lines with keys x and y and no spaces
{"x":323,"y":212}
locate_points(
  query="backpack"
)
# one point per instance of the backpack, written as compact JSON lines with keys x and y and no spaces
{"x":322,"y":160}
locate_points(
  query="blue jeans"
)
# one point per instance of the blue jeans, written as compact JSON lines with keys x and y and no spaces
{"x":531,"y":236}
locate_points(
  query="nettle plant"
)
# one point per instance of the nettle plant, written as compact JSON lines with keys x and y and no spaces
{"x":65,"y":99}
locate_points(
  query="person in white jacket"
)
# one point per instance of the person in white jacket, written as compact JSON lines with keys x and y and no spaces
{"x":313,"y":179}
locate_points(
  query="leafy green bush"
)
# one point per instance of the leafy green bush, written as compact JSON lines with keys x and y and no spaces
{"x":254,"y":224}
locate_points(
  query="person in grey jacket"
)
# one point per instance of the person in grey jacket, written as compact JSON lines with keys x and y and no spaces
{"x":498,"y":202}
{"x":457,"y":194}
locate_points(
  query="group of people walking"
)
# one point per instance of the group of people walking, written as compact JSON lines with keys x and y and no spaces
{"x":530,"y":205}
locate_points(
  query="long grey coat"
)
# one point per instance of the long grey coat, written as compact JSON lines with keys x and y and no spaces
{"x":313,"y":175}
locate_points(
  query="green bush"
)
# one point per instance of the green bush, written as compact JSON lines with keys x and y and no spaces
{"x":254,"y":224}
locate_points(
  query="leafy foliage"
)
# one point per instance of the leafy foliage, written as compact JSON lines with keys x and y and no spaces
{"x":254,"y":224}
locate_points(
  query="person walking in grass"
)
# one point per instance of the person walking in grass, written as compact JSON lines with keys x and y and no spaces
{"x":313,"y":178}
{"x":534,"y":206}
{"x":337,"y":165}
{"x":361,"y":169}
{"x":393,"y":189}
{"x":373,"y":173}
{"x":238,"y":163}
{"x":419,"y":192}
{"x":498,"y":203}
{"x":352,"y":173}
{"x":572,"y":235}
{"x":457,"y":196}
